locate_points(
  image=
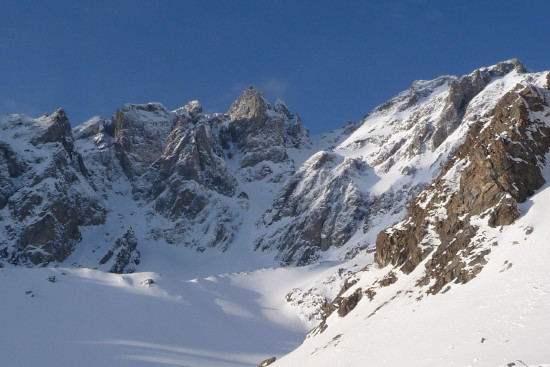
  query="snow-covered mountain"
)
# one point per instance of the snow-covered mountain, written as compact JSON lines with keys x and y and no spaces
{"x":442,"y":185}
{"x":480,"y":222}
{"x":156,"y":177}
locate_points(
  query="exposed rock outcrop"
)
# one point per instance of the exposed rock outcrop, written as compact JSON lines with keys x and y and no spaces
{"x":191,"y":181}
{"x":45,"y":196}
{"x":262,"y":132}
{"x":327,"y":209}
{"x":496,"y":168}
{"x":140,"y":132}
{"x":123,"y":256}
{"x":196,"y":179}
{"x":267,"y":362}
{"x":463,"y":90}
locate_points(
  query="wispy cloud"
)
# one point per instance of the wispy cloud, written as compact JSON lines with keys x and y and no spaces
{"x":275,"y":88}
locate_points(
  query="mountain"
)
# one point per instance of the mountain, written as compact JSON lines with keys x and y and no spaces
{"x":366,"y":179}
{"x":170,"y":177}
{"x":431,"y":205}
{"x":481,"y":217}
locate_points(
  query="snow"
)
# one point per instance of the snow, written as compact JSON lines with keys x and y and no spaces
{"x":91,"y":318}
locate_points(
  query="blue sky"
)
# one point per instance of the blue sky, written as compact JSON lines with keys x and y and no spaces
{"x":330,"y":61}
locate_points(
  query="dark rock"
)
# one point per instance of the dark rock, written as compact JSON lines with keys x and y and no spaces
{"x":547,"y":85}
{"x":389,"y":279}
{"x":343,"y":305}
{"x":370,"y":293}
{"x":148,"y":282}
{"x":106,"y":257}
{"x":267,"y":362}
{"x":54,"y":238}
{"x":125,"y":253}
{"x":348,"y":303}
{"x":140,"y":132}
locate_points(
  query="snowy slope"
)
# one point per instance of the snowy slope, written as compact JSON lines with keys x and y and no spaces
{"x":92,"y":318}
{"x":500,"y":317}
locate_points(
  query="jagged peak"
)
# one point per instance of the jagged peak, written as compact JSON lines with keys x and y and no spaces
{"x":54,"y":128}
{"x":90,"y":127}
{"x":250,"y":104}
{"x":281,"y":107}
{"x":59,"y":113}
{"x":506,"y":66}
{"x":423,"y":87}
{"x":149,"y":107}
{"x":193,"y":106}
{"x":419,"y":86}
{"x":58,"y":117}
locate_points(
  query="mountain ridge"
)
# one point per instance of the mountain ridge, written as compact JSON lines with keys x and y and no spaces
{"x":191,"y":172}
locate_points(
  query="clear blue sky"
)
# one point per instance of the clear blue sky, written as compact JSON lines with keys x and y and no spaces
{"x":331,"y":61}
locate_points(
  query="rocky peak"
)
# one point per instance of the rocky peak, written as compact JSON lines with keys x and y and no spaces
{"x":468,"y":86}
{"x":462,"y":91}
{"x":504,"y":67}
{"x":193,"y":107}
{"x":261,"y":132}
{"x":281,"y":108}
{"x":405,"y":142}
{"x":54,"y":128}
{"x":59,"y":116}
{"x":250,"y":105}
{"x":43,"y":208}
{"x":140,"y":131}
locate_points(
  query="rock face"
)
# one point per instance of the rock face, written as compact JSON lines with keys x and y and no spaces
{"x":497,"y":167}
{"x":123,"y":256}
{"x":140,"y":132}
{"x":45,"y":196}
{"x":327,"y":209}
{"x":462,"y":91}
{"x":191,"y":182}
{"x":262,"y":132}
